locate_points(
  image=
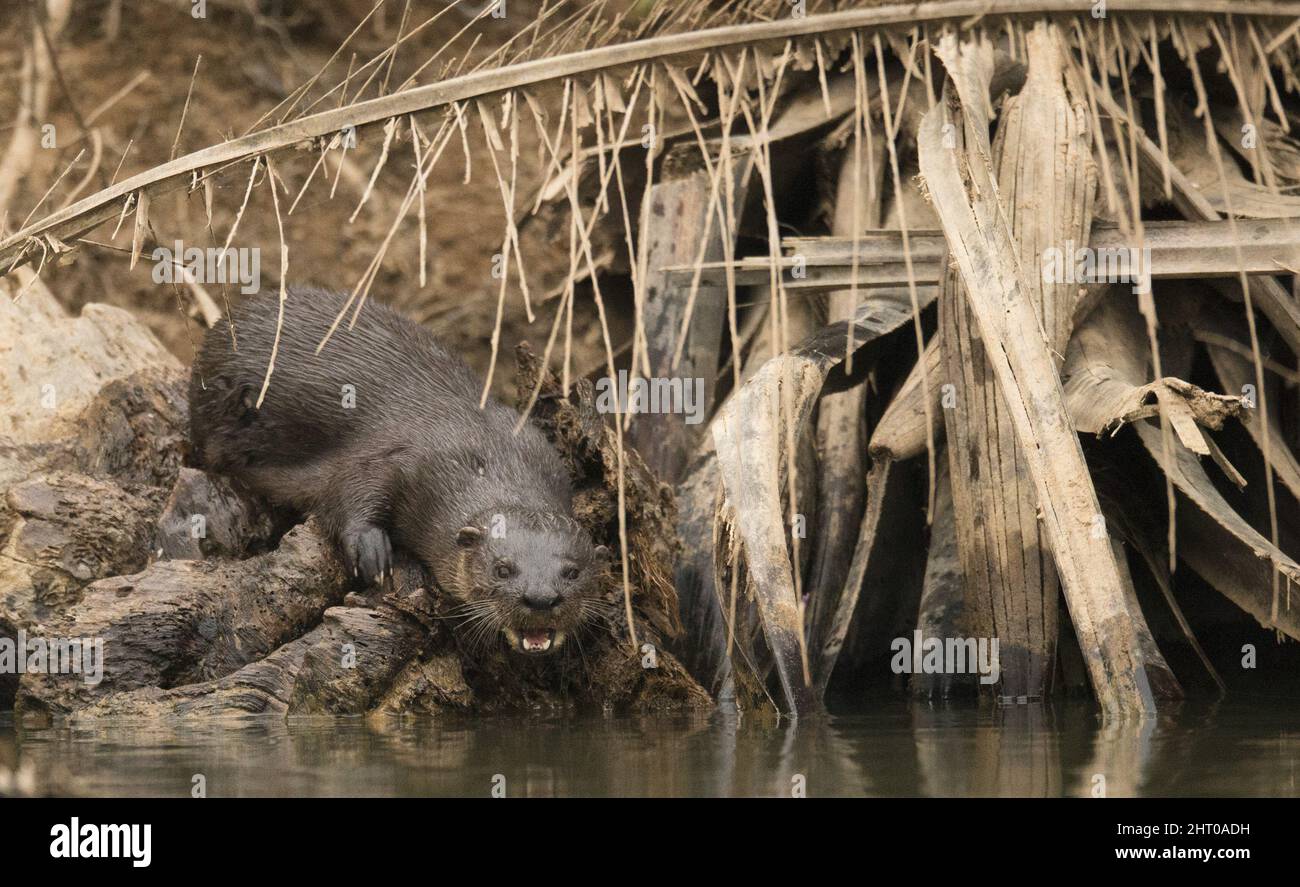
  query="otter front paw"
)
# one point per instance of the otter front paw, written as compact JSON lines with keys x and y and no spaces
{"x":367,"y":554}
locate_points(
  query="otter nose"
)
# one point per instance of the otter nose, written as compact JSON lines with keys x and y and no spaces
{"x":541,"y":598}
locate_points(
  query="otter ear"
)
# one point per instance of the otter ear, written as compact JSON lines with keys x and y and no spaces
{"x":468,"y":537}
{"x":602,"y":552}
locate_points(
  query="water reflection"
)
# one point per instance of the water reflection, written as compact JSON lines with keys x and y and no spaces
{"x":1013,"y":751}
{"x":893,"y":749}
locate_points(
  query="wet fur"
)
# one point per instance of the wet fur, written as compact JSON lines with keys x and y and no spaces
{"x":415,"y":458}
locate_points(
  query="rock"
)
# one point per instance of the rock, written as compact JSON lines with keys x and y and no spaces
{"x":206,"y":517}
{"x":95,"y":423}
{"x":68,"y":530}
{"x":53,"y":365}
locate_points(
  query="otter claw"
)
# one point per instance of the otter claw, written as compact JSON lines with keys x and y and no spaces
{"x":369,"y":554}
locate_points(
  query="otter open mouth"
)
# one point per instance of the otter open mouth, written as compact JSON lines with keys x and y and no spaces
{"x":534,"y":641}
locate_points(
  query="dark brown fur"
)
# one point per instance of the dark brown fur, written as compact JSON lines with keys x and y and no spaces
{"x":410,"y":464}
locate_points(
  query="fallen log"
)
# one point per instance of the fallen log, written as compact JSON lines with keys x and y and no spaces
{"x":205,"y":516}
{"x":182,"y":622}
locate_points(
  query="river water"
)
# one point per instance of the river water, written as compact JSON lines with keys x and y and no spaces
{"x":891,"y":749}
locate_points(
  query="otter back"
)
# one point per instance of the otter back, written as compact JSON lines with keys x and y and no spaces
{"x":382,"y":429}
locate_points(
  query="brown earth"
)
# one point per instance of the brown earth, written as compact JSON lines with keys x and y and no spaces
{"x":248,"y":64}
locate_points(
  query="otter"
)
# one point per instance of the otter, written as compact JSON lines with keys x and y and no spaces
{"x":381,"y":437}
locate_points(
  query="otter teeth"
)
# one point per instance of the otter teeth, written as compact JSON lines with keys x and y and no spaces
{"x":536,"y":640}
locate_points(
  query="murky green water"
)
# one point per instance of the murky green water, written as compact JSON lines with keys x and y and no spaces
{"x":893,"y":749}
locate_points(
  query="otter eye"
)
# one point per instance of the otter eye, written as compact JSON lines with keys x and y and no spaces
{"x":569,"y":573}
{"x":503,"y":571}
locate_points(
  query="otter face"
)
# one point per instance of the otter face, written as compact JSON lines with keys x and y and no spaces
{"x":536,"y":585}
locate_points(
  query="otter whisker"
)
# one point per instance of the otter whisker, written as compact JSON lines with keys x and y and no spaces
{"x":475,"y":623}
{"x":472,"y":612}
{"x":481,"y":628}
{"x":582,"y":654}
{"x":471,"y":615}
{"x":473,"y":607}
{"x":592,"y":613}
{"x":489,"y":629}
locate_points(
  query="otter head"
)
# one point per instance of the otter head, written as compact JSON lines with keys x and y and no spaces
{"x":534,"y":579}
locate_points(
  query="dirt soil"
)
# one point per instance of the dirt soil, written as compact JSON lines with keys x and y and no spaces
{"x":247,"y":63}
